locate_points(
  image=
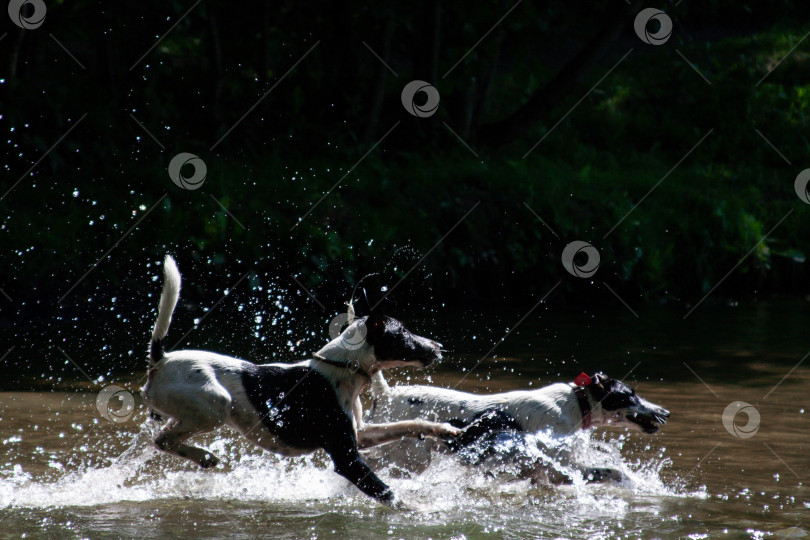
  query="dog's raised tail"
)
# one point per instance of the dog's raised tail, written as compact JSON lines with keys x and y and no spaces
{"x":168,"y":300}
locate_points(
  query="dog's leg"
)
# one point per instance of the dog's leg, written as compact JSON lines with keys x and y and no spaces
{"x":351,"y":466}
{"x":341,"y":445}
{"x":369,"y":435}
{"x":196,"y":403}
{"x":170,"y":440}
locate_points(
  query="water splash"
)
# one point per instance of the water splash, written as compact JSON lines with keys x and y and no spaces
{"x":141,"y":473}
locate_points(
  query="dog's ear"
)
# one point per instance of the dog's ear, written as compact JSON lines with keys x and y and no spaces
{"x":377,"y":318}
{"x":599,"y":385}
{"x":600,"y":378}
{"x":360,"y":304}
{"x":359,"y":300}
{"x":351,"y":315}
{"x":378,"y":302}
{"x":375,"y":326}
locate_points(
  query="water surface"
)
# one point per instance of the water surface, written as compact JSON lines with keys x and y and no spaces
{"x":66,"y":471}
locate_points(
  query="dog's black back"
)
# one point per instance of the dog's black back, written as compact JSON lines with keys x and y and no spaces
{"x":288,"y":398}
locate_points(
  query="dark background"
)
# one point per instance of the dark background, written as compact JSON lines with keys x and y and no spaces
{"x":406,"y":191}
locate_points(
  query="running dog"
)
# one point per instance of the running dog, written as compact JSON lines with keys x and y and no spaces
{"x":499,"y":426}
{"x":289,"y":409}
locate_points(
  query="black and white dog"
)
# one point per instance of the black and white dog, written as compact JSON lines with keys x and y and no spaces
{"x":290,"y":409}
{"x":495,"y":424}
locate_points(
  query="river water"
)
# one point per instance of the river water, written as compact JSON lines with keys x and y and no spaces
{"x":67,"y":471}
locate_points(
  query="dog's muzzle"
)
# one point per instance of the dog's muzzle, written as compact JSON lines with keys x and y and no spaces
{"x":648,"y":416}
{"x":433,"y":352}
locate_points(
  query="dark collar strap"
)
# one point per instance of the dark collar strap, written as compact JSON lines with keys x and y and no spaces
{"x":351,"y":365}
{"x":584,"y":406}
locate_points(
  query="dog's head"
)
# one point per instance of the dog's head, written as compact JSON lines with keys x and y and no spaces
{"x":373,"y":340}
{"x":620,"y":405}
{"x":393,"y":344}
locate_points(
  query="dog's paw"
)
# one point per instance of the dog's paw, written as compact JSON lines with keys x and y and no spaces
{"x":391,"y":500}
{"x":209,"y":461}
{"x":399,"y":504}
{"x":449,"y":435}
{"x":446,"y":431}
{"x":403,"y":505}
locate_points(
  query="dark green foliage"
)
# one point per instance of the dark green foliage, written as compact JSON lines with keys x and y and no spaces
{"x":301,"y":139}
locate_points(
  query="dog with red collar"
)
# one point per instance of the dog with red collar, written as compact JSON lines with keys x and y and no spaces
{"x":501,"y":425}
